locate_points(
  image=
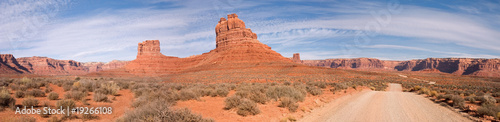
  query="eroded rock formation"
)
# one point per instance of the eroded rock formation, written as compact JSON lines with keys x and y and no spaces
{"x":360,"y":63}
{"x":9,"y":65}
{"x":236,"y":47}
{"x":49,"y":66}
{"x":458,"y":66}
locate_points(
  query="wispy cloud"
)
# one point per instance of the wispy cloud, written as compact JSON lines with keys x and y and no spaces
{"x":187,"y":28}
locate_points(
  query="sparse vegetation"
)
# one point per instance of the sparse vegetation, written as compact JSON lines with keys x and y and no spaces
{"x":53,"y":96}
{"x":99,"y":97}
{"x":30,"y":101}
{"x":6,"y":100}
{"x":289,"y":103}
{"x":247,"y":107}
{"x":159,"y":111}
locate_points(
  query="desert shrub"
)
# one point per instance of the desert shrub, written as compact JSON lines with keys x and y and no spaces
{"x":19,"y":94}
{"x":247,"y":107}
{"x":75,"y":95}
{"x":23,"y":88}
{"x":48,"y":89}
{"x":277,"y":92}
{"x":14,"y":87}
{"x":157,"y":111}
{"x":320,"y":84}
{"x":53,"y":96}
{"x":88,"y":117}
{"x":44,"y":114}
{"x":258,"y":97}
{"x":313,"y":90}
{"x":22,"y":119}
{"x":35,"y":93}
{"x":458,"y":101}
{"x":222,"y":92}
{"x":434,"y":94}
{"x":30,"y":101}
{"x":286,"y":102}
{"x":470,"y":99}
{"x":488,"y":109}
{"x":66,"y":103}
{"x":88,"y":85}
{"x":496,"y":94}
{"x":489,"y":100}
{"x":287,"y":83}
{"x":232,"y":102}
{"x":111,"y":88}
{"x":45,"y":104}
{"x":98,"y":97}
{"x":67,"y":87}
{"x":188,"y":94}
{"x":416,"y":88}
{"x":6,"y":100}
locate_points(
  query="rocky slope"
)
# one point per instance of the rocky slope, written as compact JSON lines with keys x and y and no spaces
{"x":9,"y":65}
{"x":458,"y":66}
{"x":48,"y":66}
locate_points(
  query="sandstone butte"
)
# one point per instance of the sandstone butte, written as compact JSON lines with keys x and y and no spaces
{"x":457,"y":66}
{"x":237,"y":53}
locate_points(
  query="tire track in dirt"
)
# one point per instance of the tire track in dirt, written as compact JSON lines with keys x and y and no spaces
{"x":383,"y":106}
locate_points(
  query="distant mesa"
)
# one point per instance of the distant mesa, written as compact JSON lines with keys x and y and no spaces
{"x":48,"y":66}
{"x":458,"y":66}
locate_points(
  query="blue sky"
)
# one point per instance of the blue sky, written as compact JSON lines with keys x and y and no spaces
{"x":318,"y":29}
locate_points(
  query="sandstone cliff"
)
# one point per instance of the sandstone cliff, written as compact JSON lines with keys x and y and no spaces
{"x":9,"y":65}
{"x":48,"y":66}
{"x":458,"y":66}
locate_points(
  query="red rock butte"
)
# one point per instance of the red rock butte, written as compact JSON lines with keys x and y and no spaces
{"x":237,"y":53}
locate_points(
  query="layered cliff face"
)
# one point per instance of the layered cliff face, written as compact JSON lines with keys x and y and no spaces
{"x":359,"y":63}
{"x":49,"y":66}
{"x":237,"y":47}
{"x":458,"y":66}
{"x":100,"y":66}
{"x":9,"y":65}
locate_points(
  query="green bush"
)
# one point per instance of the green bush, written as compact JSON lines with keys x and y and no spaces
{"x":286,"y":102}
{"x":53,"y":96}
{"x":247,"y":107}
{"x":98,"y":97}
{"x":19,"y":94}
{"x":30,"y":101}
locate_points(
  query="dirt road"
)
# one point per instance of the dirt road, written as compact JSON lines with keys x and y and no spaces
{"x":383,"y":106}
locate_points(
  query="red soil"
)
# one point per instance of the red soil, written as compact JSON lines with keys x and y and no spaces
{"x":213,"y":107}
